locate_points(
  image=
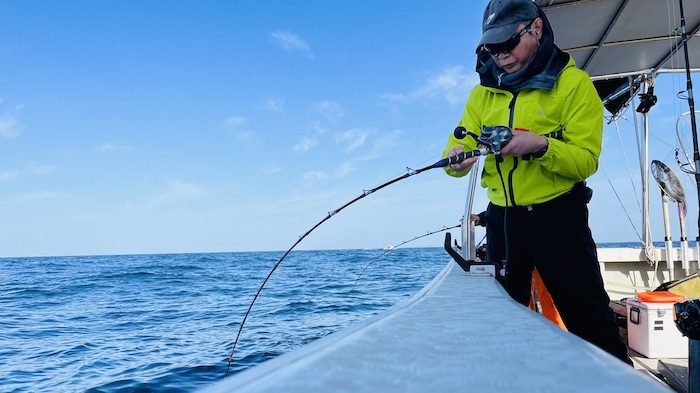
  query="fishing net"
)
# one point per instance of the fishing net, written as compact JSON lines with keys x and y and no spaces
{"x":669,"y":183}
{"x":684,"y":149}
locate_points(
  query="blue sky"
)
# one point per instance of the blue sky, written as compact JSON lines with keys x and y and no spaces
{"x":156,"y":127}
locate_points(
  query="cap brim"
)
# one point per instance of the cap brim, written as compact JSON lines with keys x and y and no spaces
{"x":496,"y":35}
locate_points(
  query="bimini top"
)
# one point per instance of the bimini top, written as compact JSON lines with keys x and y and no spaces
{"x":609,"y":38}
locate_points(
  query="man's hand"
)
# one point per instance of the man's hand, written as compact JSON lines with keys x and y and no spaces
{"x":475,"y":218}
{"x":524,"y":142}
{"x":464,"y":164}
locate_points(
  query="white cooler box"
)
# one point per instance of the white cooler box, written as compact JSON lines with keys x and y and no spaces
{"x":652,"y":332}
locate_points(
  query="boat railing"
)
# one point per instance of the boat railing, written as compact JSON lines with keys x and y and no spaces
{"x":468,"y":251}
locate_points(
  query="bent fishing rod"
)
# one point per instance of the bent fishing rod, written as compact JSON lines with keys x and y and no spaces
{"x":392,"y":248}
{"x":492,"y":140}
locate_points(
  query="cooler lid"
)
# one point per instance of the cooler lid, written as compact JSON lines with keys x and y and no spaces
{"x":660,"y":297}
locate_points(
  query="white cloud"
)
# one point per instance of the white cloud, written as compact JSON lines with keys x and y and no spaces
{"x":317,"y":128}
{"x":9,"y":127}
{"x":353,"y":138}
{"x":274,"y":104}
{"x":315,"y":176}
{"x":329,"y":109}
{"x":341,"y":171}
{"x":344,"y":169}
{"x":391,"y":138}
{"x":178,"y":191}
{"x":236,"y":121}
{"x":309,"y":142}
{"x":236,"y":124}
{"x":8,"y":176}
{"x":108,"y":147}
{"x":271,"y":169}
{"x":305,"y":145}
{"x":105,"y":147}
{"x":244,"y":134}
{"x":381,"y":145}
{"x":32,"y":168}
{"x":40,"y":169}
{"x":386,"y":142}
{"x":451,"y":84}
{"x":37,"y":196}
{"x":291,"y":42}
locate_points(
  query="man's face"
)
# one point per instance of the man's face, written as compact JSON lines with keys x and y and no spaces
{"x":523,"y":53}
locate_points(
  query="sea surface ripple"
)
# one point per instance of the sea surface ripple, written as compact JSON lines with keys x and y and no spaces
{"x":155,"y":323}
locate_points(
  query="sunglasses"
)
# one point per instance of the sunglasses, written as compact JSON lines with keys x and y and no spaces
{"x":509,"y":44}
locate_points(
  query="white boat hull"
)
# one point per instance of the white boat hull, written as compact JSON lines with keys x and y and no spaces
{"x":626,"y":271}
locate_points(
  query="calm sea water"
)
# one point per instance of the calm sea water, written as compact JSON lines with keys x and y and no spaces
{"x":167,"y":322}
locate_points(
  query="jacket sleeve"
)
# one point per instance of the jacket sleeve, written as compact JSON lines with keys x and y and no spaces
{"x":576,"y":156}
{"x":471,"y":122}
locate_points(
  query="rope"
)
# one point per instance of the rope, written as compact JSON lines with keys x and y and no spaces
{"x":622,"y":205}
{"x":627,"y":164}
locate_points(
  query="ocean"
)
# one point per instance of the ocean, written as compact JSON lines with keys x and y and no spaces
{"x":155,"y":323}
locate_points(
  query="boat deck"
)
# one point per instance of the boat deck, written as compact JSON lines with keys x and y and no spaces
{"x":462,"y":332}
{"x":673,"y":372}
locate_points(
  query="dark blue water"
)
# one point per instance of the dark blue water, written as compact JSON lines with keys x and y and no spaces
{"x":167,"y":322}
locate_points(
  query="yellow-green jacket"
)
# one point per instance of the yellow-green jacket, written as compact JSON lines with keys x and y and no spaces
{"x":570,"y":115}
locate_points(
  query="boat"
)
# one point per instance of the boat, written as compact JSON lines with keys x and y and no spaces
{"x":462,"y":331}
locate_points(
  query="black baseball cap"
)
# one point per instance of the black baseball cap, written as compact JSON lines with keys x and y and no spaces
{"x":502,"y":17}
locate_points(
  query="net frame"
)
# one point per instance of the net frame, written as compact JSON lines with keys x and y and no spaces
{"x":669,"y":183}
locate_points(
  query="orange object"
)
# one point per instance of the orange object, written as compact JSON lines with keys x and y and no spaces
{"x":660,"y":297}
{"x":548,"y":309}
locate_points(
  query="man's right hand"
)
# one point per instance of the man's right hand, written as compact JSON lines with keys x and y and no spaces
{"x":464,"y":165}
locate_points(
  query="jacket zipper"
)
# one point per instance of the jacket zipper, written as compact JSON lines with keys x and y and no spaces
{"x":511,"y":116}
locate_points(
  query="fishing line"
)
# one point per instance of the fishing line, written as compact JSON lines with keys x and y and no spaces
{"x":409,"y":172}
{"x":480,"y":241}
{"x":392,"y":248}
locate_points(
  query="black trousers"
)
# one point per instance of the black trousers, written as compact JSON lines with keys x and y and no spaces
{"x":555,"y":238}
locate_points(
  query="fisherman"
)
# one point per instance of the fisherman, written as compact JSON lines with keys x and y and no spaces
{"x":536,"y":185}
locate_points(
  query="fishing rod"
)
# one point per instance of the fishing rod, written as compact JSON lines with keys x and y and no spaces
{"x":492,"y":140}
{"x":691,"y":106}
{"x":392,"y":248}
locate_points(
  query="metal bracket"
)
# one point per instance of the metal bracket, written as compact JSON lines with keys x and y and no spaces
{"x":469,"y":266}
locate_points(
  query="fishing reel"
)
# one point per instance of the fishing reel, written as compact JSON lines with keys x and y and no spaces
{"x":494,"y":138}
{"x":687,"y":318}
